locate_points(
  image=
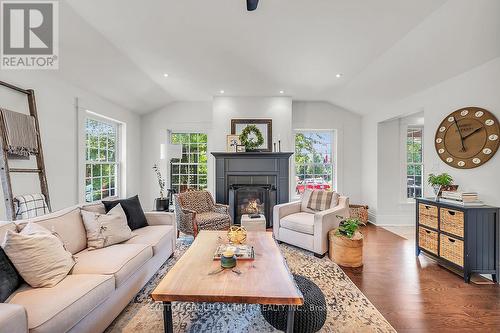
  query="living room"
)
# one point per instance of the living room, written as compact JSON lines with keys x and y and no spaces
{"x":250,"y":166}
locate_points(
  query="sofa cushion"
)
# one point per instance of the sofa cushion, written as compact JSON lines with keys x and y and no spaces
{"x":9,"y":277}
{"x":133,"y":209}
{"x":156,"y":236}
{"x":106,"y":229}
{"x":38,"y":255}
{"x":198,"y":201}
{"x":4,"y":226}
{"x":120,"y":260}
{"x":68,"y":225}
{"x":300,"y":222}
{"x":59,"y":308}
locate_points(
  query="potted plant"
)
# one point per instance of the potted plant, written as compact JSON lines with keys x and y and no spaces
{"x":346,"y":243}
{"x":161,"y":203}
{"x":442,"y":182}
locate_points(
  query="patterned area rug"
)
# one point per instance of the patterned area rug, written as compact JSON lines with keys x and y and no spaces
{"x":348,"y":309}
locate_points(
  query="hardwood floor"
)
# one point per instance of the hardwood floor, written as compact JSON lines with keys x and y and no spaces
{"x":415,"y":294}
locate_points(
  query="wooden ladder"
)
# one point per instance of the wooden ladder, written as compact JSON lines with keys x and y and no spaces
{"x":5,"y":170}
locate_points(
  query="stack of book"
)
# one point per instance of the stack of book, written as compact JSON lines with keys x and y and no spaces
{"x":466,"y":199}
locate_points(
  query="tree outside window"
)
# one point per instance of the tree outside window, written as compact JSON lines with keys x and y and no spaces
{"x":101,"y":166}
{"x":314,"y":165}
{"x":189,"y":172}
{"x":414,"y":163}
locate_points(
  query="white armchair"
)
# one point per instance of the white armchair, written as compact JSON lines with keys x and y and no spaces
{"x":296,"y":225}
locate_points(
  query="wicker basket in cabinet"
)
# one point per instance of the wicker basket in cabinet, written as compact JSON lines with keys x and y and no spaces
{"x":463,"y":238}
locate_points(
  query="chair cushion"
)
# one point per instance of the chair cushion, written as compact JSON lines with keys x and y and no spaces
{"x":306,"y":197}
{"x":300,"y":222}
{"x":120,"y":260}
{"x":133,"y":209}
{"x":156,"y":236}
{"x":213,"y":220}
{"x":68,"y":225}
{"x":198,"y":201}
{"x":59,"y":308}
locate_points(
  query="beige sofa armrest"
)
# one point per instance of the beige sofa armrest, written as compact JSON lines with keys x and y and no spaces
{"x":327,"y":220}
{"x":160,"y":218}
{"x":282,"y":210}
{"x":13,"y":318}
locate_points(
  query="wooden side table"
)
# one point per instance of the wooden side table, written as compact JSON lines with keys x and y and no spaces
{"x":256,"y":224}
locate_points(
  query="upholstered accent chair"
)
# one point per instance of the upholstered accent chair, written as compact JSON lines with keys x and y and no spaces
{"x":296,"y":224}
{"x":196,"y":210}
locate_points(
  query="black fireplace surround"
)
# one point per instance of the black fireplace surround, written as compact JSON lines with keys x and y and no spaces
{"x":258,"y":179}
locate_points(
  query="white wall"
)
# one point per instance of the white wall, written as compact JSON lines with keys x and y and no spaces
{"x":477,"y":87}
{"x":215,"y":119}
{"x":177,"y":116}
{"x":58,"y":126}
{"x":326,"y":116}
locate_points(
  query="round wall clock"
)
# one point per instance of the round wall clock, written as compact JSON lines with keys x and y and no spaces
{"x":467,"y":138}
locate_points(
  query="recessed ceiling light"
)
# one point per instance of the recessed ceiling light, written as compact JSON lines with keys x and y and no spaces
{"x":338,"y":75}
{"x":165,"y":75}
{"x":282,"y":92}
{"x":222,"y":91}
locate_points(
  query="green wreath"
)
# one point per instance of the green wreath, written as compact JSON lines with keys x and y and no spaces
{"x":251,"y":143}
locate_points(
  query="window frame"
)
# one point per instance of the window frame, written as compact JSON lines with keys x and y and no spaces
{"x":171,"y":164}
{"x":333,"y":153}
{"x":119,"y":163}
{"x":405,"y":187}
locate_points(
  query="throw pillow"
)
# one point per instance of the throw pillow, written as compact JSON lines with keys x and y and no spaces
{"x":38,"y":255}
{"x":10,"y":279}
{"x":133,"y":210}
{"x":106,"y":229}
{"x":320,"y":200}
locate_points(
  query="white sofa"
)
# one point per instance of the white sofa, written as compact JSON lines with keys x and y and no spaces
{"x":295,"y":225}
{"x":101,"y":283}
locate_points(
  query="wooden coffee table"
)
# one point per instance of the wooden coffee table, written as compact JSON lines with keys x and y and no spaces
{"x":265,"y":280}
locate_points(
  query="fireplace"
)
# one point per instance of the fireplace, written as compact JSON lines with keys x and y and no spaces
{"x":252,"y":199}
{"x":257,"y":180}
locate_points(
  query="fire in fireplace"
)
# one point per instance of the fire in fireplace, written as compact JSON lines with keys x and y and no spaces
{"x":251,"y":199}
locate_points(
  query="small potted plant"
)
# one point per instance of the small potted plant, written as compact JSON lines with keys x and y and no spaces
{"x":442,"y":182}
{"x":161,"y":203}
{"x":346,"y":243}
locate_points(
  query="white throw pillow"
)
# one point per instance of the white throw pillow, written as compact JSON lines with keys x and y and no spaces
{"x":38,"y":255}
{"x":106,"y":229}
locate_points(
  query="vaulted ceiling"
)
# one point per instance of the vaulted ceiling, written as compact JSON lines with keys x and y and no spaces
{"x":384,"y":49}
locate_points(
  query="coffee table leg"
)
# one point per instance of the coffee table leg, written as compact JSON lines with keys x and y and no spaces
{"x":290,"y":318}
{"x":168,"y":324}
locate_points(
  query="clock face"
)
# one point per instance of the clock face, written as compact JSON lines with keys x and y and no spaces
{"x":467,"y":138}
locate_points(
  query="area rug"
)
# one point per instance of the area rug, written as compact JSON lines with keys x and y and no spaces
{"x":348,"y":309}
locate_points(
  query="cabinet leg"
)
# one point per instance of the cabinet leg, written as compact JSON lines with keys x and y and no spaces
{"x":467,"y":276}
{"x":494,"y":278}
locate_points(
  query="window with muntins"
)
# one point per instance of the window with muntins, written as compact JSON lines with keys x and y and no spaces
{"x":314,"y":165}
{"x":414,"y":162}
{"x":101,"y":159}
{"x":189,"y":172}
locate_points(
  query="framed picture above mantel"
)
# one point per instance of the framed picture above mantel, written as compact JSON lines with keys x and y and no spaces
{"x":263,"y":126}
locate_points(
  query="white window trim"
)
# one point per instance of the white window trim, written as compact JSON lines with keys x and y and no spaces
{"x":83,"y":115}
{"x":335,"y":165}
{"x":404,"y":162}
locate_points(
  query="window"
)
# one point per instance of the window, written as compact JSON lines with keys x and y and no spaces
{"x":101,"y":159}
{"x":314,"y":165}
{"x":189,"y":172}
{"x":414,"y":162}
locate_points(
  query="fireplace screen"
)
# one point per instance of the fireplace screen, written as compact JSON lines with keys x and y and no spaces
{"x":251,"y":199}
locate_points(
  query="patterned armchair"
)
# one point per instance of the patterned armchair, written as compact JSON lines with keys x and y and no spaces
{"x":196,"y":210}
